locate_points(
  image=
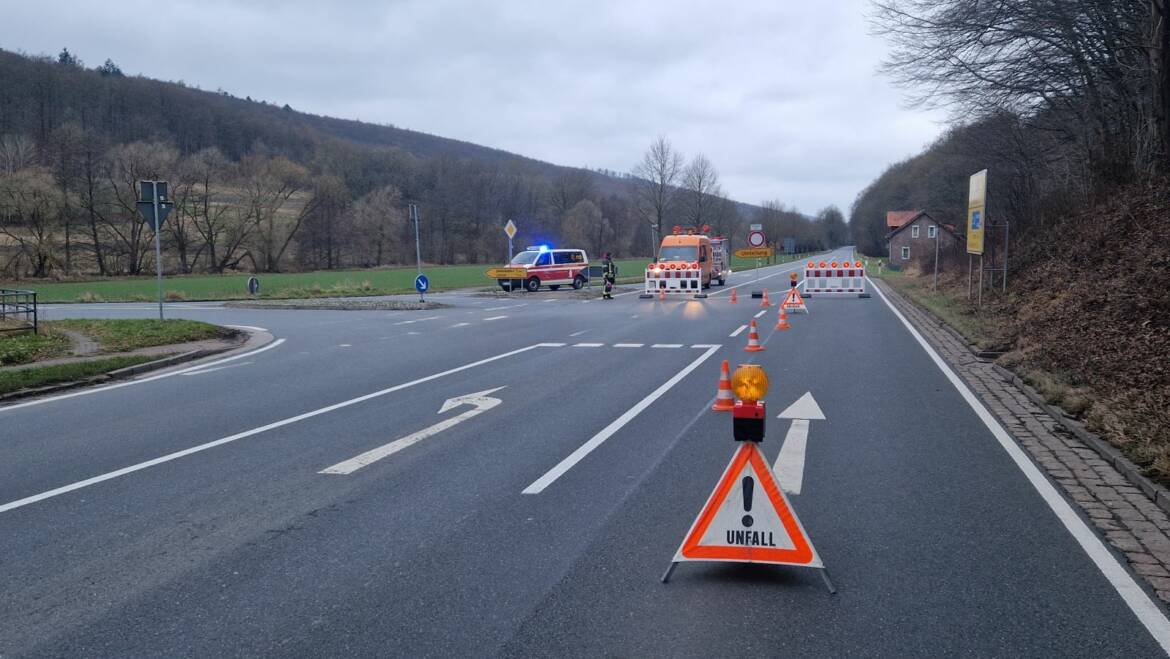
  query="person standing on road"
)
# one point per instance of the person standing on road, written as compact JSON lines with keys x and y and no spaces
{"x":608,"y":276}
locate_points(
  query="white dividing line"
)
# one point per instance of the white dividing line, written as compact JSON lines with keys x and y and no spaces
{"x":249,"y":327}
{"x":574,"y":334}
{"x":1135,"y":598}
{"x":588,"y":345}
{"x":707,"y":345}
{"x":416,"y":320}
{"x":506,"y":306}
{"x":628,"y":345}
{"x":249,"y":433}
{"x":86,"y":392}
{"x":215,"y":368}
{"x":551,"y":345}
{"x":460,"y":324}
{"x":667,"y":345}
{"x":551,"y":299}
{"x":495,"y":318}
{"x":597,"y":440}
{"x":762,"y":312}
{"x":344,"y":345}
{"x":738,"y":331}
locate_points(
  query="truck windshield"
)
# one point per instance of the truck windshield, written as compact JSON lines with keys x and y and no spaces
{"x":679,"y":254}
{"x":525,"y":258}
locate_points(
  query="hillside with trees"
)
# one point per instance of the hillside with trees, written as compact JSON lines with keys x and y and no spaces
{"x":263,"y":187}
{"x":1067,"y":105}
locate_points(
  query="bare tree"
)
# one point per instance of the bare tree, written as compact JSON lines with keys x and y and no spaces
{"x":278,"y":201}
{"x":700,"y":191}
{"x":656,"y":179}
{"x":30,"y":205}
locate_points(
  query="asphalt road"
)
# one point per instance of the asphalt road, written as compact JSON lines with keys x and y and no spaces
{"x":187,"y":515}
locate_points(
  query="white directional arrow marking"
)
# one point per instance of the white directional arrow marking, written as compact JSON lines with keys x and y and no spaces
{"x":481,"y":402}
{"x":789,"y":467}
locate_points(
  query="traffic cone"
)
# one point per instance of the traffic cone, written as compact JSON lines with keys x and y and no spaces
{"x":734,"y":297}
{"x":782,"y":323}
{"x":753,"y":339}
{"x":765,"y":302}
{"x":724,"y":400}
{"x":662,"y":295}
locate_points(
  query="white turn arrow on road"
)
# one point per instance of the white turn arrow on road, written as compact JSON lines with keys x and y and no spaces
{"x":789,"y":466}
{"x":479,"y":400}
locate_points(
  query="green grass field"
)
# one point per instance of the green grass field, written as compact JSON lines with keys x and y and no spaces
{"x":283,"y":286}
{"x":328,"y":283}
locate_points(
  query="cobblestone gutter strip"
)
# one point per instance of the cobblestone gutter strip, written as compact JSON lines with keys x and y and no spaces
{"x":1102,"y":482}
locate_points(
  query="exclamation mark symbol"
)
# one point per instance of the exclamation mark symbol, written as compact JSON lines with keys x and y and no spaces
{"x":748,"y":486}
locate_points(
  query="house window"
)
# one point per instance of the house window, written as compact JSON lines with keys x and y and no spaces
{"x":906,"y":252}
{"x":914,"y":231}
{"x":931,"y":231}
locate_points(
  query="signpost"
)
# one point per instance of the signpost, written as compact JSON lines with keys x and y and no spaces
{"x":154,"y":206}
{"x":417,"y":255}
{"x":510,"y":231}
{"x":421,"y":284}
{"x":976,"y":219}
{"x":759,"y":250}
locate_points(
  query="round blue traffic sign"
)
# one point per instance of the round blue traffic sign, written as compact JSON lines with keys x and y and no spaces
{"x":421,"y":283}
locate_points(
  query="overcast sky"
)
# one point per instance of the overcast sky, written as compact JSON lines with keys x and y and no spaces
{"x":781,"y":95}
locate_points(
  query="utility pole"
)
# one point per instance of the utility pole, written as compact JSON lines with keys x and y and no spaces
{"x":154,"y":207}
{"x":936,"y":237}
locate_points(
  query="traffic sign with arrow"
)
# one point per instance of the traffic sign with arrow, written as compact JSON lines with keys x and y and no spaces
{"x":789,"y":465}
{"x":480,"y":402}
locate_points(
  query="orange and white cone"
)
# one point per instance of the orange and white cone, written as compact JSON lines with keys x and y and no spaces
{"x":782,"y":322}
{"x":724,"y":399}
{"x":734,"y":297}
{"x":662,"y":295}
{"x":753,"y":339}
{"x":765,"y":302}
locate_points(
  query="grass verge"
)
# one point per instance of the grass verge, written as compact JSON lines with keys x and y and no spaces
{"x":42,"y":376}
{"x":120,"y":335}
{"x":26,"y":347}
{"x":981,"y":329}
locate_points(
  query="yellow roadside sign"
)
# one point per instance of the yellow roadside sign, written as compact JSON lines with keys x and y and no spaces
{"x":754,"y":253}
{"x":976,"y":211}
{"x":506,"y":273}
{"x":510,"y":229}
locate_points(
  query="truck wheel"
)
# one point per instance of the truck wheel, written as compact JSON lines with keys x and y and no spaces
{"x":578,"y":282}
{"x":554,"y":287}
{"x":532,"y":285}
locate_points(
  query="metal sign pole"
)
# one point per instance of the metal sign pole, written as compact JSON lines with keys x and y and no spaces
{"x":980,"y":304}
{"x":417,"y":247}
{"x":157,"y":246}
{"x":936,"y":236}
{"x":1005,"y":255}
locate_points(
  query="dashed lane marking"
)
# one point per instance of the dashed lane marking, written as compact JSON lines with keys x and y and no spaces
{"x":628,"y":345}
{"x":588,"y":345}
{"x":762,"y":312}
{"x":495,"y":318}
{"x":416,"y":320}
{"x":666,"y":345}
{"x":738,"y":331}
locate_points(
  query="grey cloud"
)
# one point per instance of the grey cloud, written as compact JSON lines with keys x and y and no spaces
{"x":782,"y":96}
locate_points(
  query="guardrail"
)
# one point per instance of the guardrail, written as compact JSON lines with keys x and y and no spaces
{"x":18,"y":303}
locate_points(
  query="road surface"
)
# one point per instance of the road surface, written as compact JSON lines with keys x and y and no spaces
{"x":530,"y":467}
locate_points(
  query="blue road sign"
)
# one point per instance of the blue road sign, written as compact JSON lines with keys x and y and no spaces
{"x":253,"y":285}
{"x":421,"y":283}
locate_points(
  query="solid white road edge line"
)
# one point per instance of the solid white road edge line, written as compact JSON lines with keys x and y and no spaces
{"x":215,"y":368}
{"x":248,"y":327}
{"x":1131,"y":593}
{"x":585,"y":449}
{"x":86,"y":392}
{"x":738,"y":331}
{"x":248,"y":433}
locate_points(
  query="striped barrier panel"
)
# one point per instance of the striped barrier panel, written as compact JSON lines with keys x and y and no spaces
{"x":674,"y":278}
{"x":834,"y":278}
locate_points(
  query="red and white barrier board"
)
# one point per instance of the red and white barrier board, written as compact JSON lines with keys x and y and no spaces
{"x":674,"y":278}
{"x":834,"y":278}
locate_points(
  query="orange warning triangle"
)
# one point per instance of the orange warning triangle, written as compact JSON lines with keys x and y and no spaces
{"x":748,"y":519}
{"x":794,"y":301}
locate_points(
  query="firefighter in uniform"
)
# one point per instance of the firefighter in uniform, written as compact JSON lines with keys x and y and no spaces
{"x":608,"y":276}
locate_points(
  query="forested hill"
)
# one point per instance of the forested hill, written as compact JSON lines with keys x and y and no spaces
{"x":262,"y":187}
{"x":39,"y":95}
